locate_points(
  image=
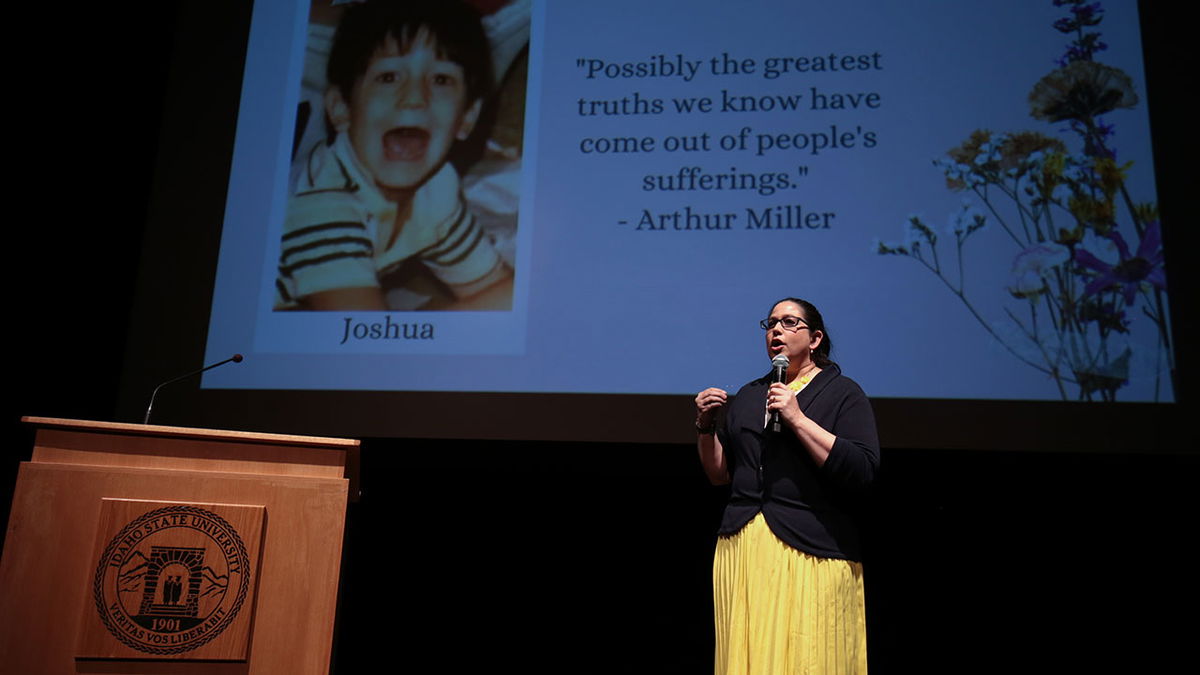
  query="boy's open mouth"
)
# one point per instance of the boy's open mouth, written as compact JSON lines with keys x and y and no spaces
{"x":405,"y":144}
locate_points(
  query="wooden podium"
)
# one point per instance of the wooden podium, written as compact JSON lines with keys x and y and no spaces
{"x":150,"y":549}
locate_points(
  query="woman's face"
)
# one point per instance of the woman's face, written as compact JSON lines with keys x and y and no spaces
{"x":797,"y":343}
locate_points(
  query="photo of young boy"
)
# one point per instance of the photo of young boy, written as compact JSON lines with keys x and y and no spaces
{"x":379,"y":218}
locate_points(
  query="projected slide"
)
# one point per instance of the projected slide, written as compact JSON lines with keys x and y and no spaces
{"x":606,"y":197}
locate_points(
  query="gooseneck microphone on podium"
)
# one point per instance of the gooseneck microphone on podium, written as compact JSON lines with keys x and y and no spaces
{"x":779,"y":366}
{"x":236,"y":358}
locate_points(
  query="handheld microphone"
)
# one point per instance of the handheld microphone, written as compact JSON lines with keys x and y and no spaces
{"x":779,"y":366}
{"x":236,"y":358}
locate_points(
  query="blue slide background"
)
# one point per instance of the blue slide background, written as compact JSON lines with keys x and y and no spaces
{"x":605,"y":306}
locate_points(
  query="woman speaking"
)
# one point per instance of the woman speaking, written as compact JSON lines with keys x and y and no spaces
{"x":799,"y":449}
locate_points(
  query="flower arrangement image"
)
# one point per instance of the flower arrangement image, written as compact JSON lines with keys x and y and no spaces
{"x":1086,"y":298}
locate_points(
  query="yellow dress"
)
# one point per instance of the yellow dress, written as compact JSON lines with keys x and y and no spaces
{"x":779,"y":611}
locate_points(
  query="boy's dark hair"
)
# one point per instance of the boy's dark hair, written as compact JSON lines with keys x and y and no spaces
{"x":454,"y":27}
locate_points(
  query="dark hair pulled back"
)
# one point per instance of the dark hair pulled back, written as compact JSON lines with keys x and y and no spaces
{"x":816,"y":322}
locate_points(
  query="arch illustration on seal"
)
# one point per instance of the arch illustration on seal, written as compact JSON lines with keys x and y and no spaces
{"x":172,"y":580}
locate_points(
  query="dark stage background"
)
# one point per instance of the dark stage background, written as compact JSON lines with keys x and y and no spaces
{"x":581,"y":557}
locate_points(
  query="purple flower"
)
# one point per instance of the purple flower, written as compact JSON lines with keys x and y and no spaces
{"x":1082,"y":16}
{"x":1130,"y":271}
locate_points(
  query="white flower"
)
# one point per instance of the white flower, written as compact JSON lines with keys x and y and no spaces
{"x":965,"y":220}
{"x":916,"y":232}
{"x":1102,"y":247}
{"x":1032,"y":266}
{"x":1061,"y":193}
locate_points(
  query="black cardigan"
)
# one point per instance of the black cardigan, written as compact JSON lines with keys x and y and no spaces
{"x":804,"y":505}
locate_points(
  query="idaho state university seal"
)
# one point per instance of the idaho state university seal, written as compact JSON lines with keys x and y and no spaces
{"x":172,"y":580}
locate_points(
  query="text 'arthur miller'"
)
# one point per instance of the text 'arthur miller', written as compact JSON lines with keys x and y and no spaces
{"x":785,"y":217}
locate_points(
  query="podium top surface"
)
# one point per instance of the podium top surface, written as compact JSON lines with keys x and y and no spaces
{"x":145,"y":446}
{"x":189,"y":432}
